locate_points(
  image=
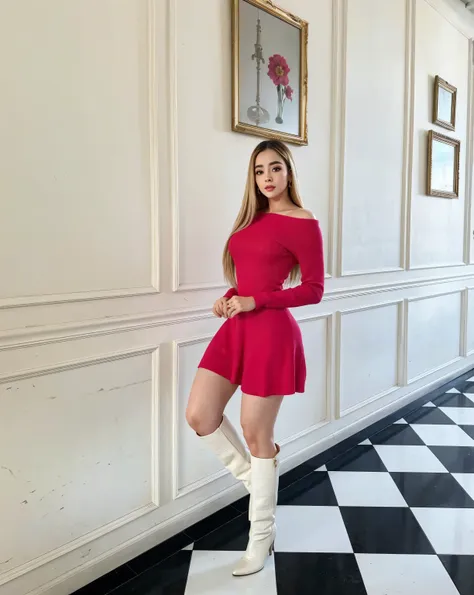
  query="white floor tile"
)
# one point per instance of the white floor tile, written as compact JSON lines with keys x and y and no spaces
{"x":366,"y":442}
{"x":409,"y":459}
{"x":452,"y":391}
{"x":471,"y":379}
{"x":465,"y":480}
{"x":189,"y":547}
{"x":323,"y":468}
{"x":311,"y":529}
{"x":386,"y":574}
{"x":440,"y":435}
{"x":400,"y":421}
{"x":429,"y":404}
{"x":365,"y":489}
{"x":210,"y":573}
{"x":450,"y":530}
{"x":464,"y":416}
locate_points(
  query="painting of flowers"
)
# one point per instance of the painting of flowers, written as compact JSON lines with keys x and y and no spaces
{"x":269,"y":71}
{"x":278,"y":70}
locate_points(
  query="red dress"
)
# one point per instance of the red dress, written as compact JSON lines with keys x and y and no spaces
{"x":262,"y":350}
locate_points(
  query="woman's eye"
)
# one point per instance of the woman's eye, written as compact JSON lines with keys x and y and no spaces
{"x":277,"y":168}
{"x":257,"y":173}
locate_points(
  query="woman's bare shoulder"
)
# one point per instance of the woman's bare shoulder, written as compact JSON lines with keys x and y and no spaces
{"x":302,"y":214}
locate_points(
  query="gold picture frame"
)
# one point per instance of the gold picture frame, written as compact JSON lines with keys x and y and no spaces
{"x":269,"y":72}
{"x":443,"y":165}
{"x":444,"y":104}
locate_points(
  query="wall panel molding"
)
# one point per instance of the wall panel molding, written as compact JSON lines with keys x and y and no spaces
{"x":21,"y":338}
{"x":407,"y":152}
{"x":410,"y":57}
{"x":155,"y":429}
{"x":469,"y":159}
{"x":177,"y":284}
{"x":427,"y":267}
{"x":173,"y":136}
{"x":463,"y":348}
{"x":80,"y":296}
{"x":36,"y":300}
{"x":74,"y":364}
{"x":338,"y":356}
{"x":153,"y":103}
{"x":463,"y":315}
{"x":329,"y":369}
{"x":153,"y":505}
{"x":44,"y":335}
{"x":423,"y":253}
{"x":338,"y":133}
{"x":467,"y":314}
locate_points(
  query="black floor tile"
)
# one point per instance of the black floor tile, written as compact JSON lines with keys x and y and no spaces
{"x":167,"y":578}
{"x":469,"y":430}
{"x":296,"y":474}
{"x":397,"y":434}
{"x":108,"y":582}
{"x":324,"y":574}
{"x":160,"y":552}
{"x":466,"y":387}
{"x":385,"y":531}
{"x":461,"y":571}
{"x":360,"y":458}
{"x":453,"y":400}
{"x":242,"y":504}
{"x":211,"y":523}
{"x":456,"y":459}
{"x":233,"y":536}
{"x":312,"y":490}
{"x":429,"y":415}
{"x":433,"y":490}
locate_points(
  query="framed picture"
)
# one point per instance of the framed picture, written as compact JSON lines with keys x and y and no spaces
{"x":269,"y":71}
{"x":443,"y":165}
{"x":444,"y":104}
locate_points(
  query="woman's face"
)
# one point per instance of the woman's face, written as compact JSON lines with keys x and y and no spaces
{"x":271,"y":174}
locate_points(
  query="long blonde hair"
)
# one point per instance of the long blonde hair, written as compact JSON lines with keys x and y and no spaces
{"x":255,"y":202}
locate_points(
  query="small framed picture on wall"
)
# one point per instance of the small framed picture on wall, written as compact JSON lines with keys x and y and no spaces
{"x":443,"y":165}
{"x":444,"y":104}
{"x":269,"y":71}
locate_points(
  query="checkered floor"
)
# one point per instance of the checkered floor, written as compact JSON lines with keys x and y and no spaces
{"x":394,"y":515}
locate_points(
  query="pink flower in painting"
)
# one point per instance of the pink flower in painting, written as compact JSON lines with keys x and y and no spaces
{"x":278,"y":69}
{"x":289,"y":92}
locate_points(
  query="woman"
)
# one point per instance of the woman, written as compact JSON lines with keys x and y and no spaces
{"x":259,"y":347}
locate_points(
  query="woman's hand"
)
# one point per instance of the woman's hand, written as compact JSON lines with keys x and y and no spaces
{"x":238,"y":304}
{"x":220,"y":308}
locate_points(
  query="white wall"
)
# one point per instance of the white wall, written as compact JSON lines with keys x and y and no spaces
{"x":119,"y":182}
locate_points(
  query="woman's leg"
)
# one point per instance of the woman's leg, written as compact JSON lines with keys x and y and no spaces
{"x":210,"y":394}
{"x":258,"y":418}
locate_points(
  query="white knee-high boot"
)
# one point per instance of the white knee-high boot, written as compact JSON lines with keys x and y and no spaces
{"x":263,"y":502}
{"x":230,"y":450}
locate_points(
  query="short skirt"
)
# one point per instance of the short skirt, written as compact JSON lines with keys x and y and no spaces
{"x":262,"y":351}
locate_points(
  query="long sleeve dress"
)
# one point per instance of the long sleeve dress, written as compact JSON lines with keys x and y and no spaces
{"x":262,"y":350}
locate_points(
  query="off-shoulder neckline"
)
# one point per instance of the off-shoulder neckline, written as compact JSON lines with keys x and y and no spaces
{"x":290,"y":217}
